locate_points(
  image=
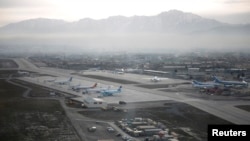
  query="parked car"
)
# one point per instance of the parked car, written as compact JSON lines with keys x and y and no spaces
{"x":92,"y":129}
{"x":127,"y":138}
{"x":118,"y":134}
{"x":110,"y":129}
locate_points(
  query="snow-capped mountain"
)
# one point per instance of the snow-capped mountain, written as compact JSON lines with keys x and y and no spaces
{"x":168,"y":31}
{"x":165,"y":22}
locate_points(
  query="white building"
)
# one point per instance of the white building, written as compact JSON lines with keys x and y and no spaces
{"x":94,"y":102}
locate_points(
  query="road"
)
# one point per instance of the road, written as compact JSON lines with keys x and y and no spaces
{"x":223,"y":109}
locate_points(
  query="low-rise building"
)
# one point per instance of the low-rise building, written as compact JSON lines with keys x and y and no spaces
{"x":94,"y":103}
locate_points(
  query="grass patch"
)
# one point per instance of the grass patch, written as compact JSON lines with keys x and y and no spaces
{"x":244,"y":107}
{"x":157,"y":86}
{"x":121,"y":81}
{"x":8,"y":63}
{"x":8,"y":91}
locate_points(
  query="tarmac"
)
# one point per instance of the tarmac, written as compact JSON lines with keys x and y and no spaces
{"x":131,"y":93}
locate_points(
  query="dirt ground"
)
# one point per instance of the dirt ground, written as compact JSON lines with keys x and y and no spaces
{"x":7,"y":63}
{"x":38,"y":118}
{"x":188,"y":122}
{"x":38,"y":91}
{"x":32,"y":119}
{"x":244,"y":107}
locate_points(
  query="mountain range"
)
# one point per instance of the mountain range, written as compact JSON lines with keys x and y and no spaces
{"x":173,"y":21}
{"x":168,"y":31}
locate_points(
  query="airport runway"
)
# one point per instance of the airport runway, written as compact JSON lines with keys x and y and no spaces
{"x":223,"y":109}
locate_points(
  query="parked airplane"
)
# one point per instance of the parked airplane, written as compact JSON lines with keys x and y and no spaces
{"x":231,"y":83}
{"x":156,"y":79}
{"x":198,"y":84}
{"x":63,"y":82}
{"x":119,"y":71}
{"x":74,"y":85}
{"x":111,"y":92}
{"x":204,"y":86}
{"x":96,"y":90}
{"x":77,"y":88}
{"x":207,"y":87}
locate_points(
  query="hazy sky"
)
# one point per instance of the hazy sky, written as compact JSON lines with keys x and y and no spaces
{"x":234,"y":11}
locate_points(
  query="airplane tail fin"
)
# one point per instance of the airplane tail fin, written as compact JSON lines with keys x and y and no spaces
{"x":94,"y":85}
{"x":70,"y":79}
{"x":120,"y":89}
{"x":216,"y":79}
{"x":195,"y":82}
{"x":243,"y":81}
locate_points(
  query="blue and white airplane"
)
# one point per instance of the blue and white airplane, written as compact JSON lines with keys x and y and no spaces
{"x":111,"y":92}
{"x":204,"y":85}
{"x":95,"y":90}
{"x":231,"y":83}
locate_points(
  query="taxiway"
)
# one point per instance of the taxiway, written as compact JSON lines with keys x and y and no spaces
{"x":132,"y":93}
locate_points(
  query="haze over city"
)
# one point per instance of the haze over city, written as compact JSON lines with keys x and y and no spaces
{"x":125,"y":26}
{"x":124,"y":70}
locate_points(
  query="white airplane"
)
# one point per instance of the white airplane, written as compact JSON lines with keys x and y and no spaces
{"x":63,"y":82}
{"x":156,"y":79}
{"x":22,"y":72}
{"x":72,"y":86}
{"x":119,"y":71}
{"x":79,"y":87}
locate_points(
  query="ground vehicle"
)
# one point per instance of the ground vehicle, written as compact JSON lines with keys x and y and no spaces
{"x":118,"y":134}
{"x":122,"y":102}
{"x":92,"y":129}
{"x":127,"y":138}
{"x":110,"y":129}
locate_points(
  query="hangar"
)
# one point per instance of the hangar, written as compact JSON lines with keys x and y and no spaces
{"x":90,"y":102}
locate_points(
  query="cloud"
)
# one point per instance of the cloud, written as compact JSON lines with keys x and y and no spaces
{"x":236,"y":1}
{"x":21,"y":3}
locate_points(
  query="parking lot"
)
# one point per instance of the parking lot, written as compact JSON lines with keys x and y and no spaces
{"x":101,"y":131}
